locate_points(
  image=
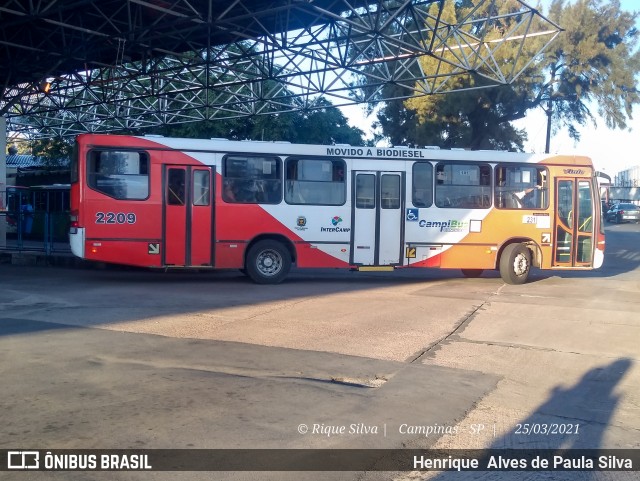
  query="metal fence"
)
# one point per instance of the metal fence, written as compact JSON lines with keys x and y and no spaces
{"x":35,"y":219}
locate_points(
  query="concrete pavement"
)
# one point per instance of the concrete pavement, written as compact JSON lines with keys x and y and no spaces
{"x":182,"y":359}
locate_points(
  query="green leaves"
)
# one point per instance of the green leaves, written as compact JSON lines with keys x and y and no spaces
{"x":325,"y":125}
{"x":589,"y":70}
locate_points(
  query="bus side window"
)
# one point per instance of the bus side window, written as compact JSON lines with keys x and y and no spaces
{"x":463,"y":185}
{"x":315,"y":182}
{"x":229,"y":191}
{"x":252,"y":179}
{"x":521,"y":187}
{"x":422,"y":184}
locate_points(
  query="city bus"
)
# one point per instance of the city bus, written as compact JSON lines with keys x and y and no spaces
{"x":262,"y":207}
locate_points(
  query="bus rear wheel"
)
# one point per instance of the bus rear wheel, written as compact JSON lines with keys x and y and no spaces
{"x":268,"y":262}
{"x":515,"y":264}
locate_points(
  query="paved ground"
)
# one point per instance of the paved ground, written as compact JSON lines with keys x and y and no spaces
{"x":128,"y":358}
{"x":566,"y":351}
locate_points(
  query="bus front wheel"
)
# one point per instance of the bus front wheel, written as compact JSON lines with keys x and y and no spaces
{"x":268,"y":262}
{"x":515,"y":264}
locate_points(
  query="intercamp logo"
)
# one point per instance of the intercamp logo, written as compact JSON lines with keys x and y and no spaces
{"x":335,"y":221}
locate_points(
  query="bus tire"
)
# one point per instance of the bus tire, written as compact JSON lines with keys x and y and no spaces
{"x":515,"y":264}
{"x":472,"y":273}
{"x":268,"y":262}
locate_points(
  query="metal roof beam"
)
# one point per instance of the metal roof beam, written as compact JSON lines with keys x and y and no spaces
{"x":151,"y":64}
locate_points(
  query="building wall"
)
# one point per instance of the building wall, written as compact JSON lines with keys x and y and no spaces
{"x":628,"y":178}
{"x":625,"y":194}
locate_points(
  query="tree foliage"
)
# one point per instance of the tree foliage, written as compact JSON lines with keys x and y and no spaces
{"x":53,"y":153}
{"x":594,"y":62}
{"x":326,"y":125}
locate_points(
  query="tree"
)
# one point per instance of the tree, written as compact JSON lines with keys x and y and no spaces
{"x":594,"y":62}
{"x":54,"y":152}
{"x":325,"y":125}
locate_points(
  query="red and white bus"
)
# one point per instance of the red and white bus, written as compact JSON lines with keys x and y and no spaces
{"x":262,"y":206}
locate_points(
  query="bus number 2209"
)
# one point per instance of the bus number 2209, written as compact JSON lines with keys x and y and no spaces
{"x":115,"y":218}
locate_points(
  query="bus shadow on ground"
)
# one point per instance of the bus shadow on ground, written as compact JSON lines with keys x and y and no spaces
{"x":116,"y":294}
{"x":585,"y":411}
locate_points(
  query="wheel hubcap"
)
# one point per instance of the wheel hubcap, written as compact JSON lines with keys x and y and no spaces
{"x":520,"y":265}
{"x":269,"y":263}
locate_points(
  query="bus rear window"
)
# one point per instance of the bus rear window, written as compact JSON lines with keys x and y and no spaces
{"x":118,"y":174}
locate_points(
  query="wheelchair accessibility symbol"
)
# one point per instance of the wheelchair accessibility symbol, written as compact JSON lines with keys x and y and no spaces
{"x":412,"y":215}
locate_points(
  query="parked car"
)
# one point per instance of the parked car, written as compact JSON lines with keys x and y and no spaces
{"x":623,"y":213}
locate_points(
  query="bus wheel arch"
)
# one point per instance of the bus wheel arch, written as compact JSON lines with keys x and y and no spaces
{"x":516,"y":258}
{"x":268,"y":259}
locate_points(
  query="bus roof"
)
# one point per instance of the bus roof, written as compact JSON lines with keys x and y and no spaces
{"x":340,"y":150}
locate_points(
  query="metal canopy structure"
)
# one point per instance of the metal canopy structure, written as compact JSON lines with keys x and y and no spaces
{"x":77,"y":66}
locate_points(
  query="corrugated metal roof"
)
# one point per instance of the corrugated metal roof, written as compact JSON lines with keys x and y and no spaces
{"x":21,"y":161}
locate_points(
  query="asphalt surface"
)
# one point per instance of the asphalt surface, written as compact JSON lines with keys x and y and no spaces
{"x":125,"y":358}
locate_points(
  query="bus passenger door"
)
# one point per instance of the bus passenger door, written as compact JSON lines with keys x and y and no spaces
{"x":377,"y":235}
{"x":574,"y":223}
{"x":188,"y":216}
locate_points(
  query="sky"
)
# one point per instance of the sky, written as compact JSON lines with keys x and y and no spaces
{"x":610,"y":150}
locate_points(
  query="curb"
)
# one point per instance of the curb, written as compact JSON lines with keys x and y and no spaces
{"x":26,"y":258}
